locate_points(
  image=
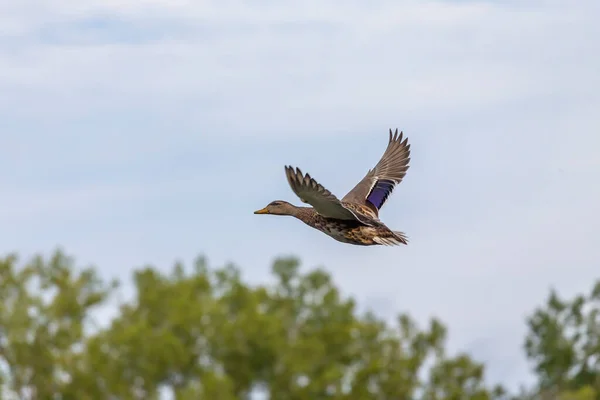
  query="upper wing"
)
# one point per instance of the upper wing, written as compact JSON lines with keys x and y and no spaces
{"x":322,"y":200}
{"x":374,"y":189}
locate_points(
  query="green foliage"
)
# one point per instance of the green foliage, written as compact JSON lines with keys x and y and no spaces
{"x":564,"y":342}
{"x":44,"y":309}
{"x":204,"y":333}
{"x":585,"y":393}
{"x":209,"y":334}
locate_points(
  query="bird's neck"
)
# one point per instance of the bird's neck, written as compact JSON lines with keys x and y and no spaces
{"x":305,"y":214}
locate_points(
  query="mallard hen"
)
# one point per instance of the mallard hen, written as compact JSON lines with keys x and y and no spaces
{"x":355,"y":218}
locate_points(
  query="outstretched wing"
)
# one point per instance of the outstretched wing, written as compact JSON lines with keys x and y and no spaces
{"x":322,"y":200}
{"x":375,"y":188}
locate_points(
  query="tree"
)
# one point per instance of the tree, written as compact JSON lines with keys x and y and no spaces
{"x":563,"y":344}
{"x":44,"y":312}
{"x":205,"y":333}
{"x":585,"y":393}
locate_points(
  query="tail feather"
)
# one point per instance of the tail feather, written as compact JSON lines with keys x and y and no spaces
{"x":401,"y":237}
{"x":396,"y":238}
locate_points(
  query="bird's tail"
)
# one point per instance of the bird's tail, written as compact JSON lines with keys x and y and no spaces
{"x":401,"y":237}
{"x":395,"y":238}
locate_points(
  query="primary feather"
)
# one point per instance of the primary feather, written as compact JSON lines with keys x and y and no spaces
{"x":377,"y":185}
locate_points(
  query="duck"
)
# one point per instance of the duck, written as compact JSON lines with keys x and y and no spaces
{"x":354,"y":219}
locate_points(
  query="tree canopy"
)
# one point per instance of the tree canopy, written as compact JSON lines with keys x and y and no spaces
{"x":205,"y":333}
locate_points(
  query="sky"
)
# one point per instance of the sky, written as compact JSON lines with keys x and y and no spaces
{"x":148,"y":131}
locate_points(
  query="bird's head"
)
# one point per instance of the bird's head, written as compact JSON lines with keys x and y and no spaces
{"x":278,"y":207}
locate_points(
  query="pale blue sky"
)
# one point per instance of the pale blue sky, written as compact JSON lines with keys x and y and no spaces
{"x":138,"y":132}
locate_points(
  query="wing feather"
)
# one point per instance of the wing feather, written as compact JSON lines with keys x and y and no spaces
{"x":323,"y":201}
{"x":379,"y":183}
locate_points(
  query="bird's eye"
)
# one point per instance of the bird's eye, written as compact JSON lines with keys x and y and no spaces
{"x":275,"y":203}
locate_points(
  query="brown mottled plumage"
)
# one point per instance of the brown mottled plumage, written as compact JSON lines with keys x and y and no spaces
{"x":355,"y":218}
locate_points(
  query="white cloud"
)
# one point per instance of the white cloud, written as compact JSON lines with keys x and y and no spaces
{"x":408,"y":58}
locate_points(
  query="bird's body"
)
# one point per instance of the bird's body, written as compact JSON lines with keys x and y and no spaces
{"x":348,"y":231}
{"x":355,"y":218}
